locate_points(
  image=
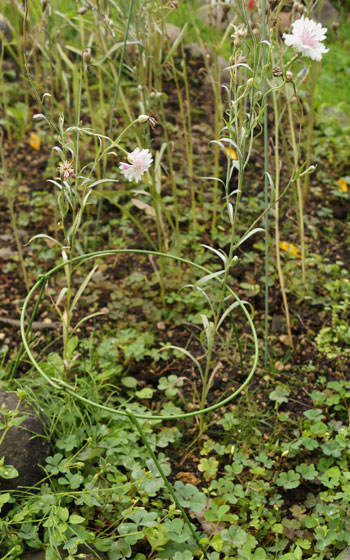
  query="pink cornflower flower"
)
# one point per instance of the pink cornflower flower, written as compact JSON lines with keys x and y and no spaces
{"x":140,"y":162}
{"x":307,"y":37}
{"x":66,"y":168}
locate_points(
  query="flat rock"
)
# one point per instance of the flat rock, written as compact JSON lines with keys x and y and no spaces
{"x":216,"y":14}
{"x":5,"y":28}
{"x":24,"y":446}
{"x":329,"y":14}
{"x":172,"y":32}
{"x":345,"y":554}
{"x":225,"y":74}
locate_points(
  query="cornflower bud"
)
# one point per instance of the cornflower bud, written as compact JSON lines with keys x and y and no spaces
{"x":277,"y":72}
{"x":146,"y":118}
{"x":86,"y":56}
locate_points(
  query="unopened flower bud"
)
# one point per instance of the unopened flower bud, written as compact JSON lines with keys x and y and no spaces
{"x":146,"y":118}
{"x":82,"y":11}
{"x":143,"y":118}
{"x":289,"y":76}
{"x":335,"y":26}
{"x":250,"y":82}
{"x":277,"y":71}
{"x":86,"y":56}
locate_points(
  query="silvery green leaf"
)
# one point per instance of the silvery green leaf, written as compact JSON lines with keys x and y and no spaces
{"x":230,"y":212}
{"x":239,"y":64}
{"x":229,"y":141}
{"x":219,"y":253}
{"x":102,"y":181}
{"x":61,"y":295}
{"x":44,"y":236}
{"x":208,"y":329}
{"x":187,"y":353}
{"x":82,"y":287}
{"x":55,"y":183}
{"x":209,"y":277}
{"x":213,"y":179}
{"x":229,"y":309}
{"x":245,"y":237}
{"x":236,"y":191}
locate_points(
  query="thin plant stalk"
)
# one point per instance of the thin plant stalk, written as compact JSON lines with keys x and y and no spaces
{"x":188,"y":141}
{"x":277,"y":215}
{"x":266,"y":184}
{"x":299,"y":192}
{"x":217,"y":120}
{"x":172,"y":179}
{"x":314,"y":72}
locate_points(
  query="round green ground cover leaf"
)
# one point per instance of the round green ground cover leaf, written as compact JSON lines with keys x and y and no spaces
{"x":288,"y":480}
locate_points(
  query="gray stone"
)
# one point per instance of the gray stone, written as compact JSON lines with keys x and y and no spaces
{"x":345,"y":554}
{"x":24,"y":446}
{"x":225,"y":74}
{"x":172,"y":32}
{"x":329,"y":14}
{"x":216,"y":14}
{"x":5,"y":28}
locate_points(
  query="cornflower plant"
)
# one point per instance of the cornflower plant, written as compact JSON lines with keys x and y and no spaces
{"x":247,"y":100}
{"x":74,"y":189}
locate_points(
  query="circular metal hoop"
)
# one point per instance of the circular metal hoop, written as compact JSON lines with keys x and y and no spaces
{"x":59,"y":384}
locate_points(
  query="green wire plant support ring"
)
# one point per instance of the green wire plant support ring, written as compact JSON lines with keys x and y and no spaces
{"x":133,"y":417}
{"x":60,"y":384}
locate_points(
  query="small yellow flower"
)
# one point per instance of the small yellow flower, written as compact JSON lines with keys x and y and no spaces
{"x":34,"y":141}
{"x":232,"y":154}
{"x":290,"y":248}
{"x":342,"y":185}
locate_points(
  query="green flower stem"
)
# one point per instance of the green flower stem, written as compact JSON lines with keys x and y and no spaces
{"x":166,"y":482}
{"x":277,"y":210}
{"x":314,"y":73}
{"x":300,"y":210}
{"x":266,"y":183}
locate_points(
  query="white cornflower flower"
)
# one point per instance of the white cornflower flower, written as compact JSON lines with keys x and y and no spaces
{"x":307,"y":37}
{"x":140,"y":162}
